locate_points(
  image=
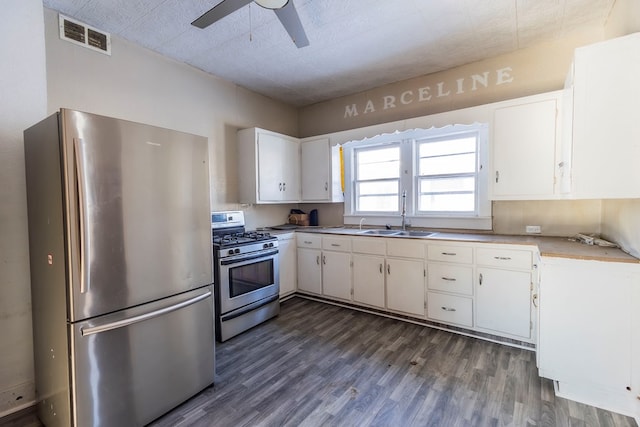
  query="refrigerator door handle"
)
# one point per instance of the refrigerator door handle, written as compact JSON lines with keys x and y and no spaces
{"x":85,"y":255}
{"x":142,"y":317}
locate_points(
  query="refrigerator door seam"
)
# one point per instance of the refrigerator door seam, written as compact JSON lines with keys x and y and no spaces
{"x":142,"y":317}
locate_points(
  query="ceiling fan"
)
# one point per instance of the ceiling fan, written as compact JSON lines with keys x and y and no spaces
{"x":284,"y":9}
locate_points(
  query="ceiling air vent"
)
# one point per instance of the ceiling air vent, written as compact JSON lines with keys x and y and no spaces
{"x":83,"y":35}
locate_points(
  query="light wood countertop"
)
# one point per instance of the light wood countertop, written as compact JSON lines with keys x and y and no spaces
{"x":558,"y":247}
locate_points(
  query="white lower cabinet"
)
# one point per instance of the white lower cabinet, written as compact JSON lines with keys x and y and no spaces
{"x":368,"y":280}
{"x":336,"y":274}
{"x":405,"y":286}
{"x":588,"y":339}
{"x":503,"y":301}
{"x":309,"y":270}
{"x":483,"y":287}
{"x":287,"y":263}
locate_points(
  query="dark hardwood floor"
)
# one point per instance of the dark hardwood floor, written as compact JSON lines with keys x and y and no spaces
{"x":318,"y":364}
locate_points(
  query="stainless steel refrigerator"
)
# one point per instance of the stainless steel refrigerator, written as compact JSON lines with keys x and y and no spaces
{"x":121,"y":269}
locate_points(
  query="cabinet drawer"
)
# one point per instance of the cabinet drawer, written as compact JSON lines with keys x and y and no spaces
{"x":369,"y":245}
{"x":449,"y":309}
{"x":461,"y":254}
{"x":340,"y":244}
{"x":309,"y":240}
{"x":450,"y":278}
{"x":405,"y":248}
{"x":508,"y":258}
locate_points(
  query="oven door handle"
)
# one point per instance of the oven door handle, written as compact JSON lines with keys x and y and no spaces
{"x":248,"y":308}
{"x":242,"y":258}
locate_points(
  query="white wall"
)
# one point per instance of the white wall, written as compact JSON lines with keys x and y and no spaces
{"x":22,"y":102}
{"x":139,"y":85}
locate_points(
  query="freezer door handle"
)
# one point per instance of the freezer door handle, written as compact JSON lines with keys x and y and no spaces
{"x":142,"y":317}
{"x":85,"y":255}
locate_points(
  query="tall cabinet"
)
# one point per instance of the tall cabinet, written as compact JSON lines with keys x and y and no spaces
{"x":270,"y":166}
{"x":606,"y":136}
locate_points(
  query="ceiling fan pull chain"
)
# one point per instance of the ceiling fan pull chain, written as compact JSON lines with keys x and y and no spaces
{"x":250,"y":26}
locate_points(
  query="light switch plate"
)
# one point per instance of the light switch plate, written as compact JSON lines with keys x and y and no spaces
{"x":533,"y":229}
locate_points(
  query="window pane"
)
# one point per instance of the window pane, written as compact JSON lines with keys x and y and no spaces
{"x":378,"y":164}
{"x":377,"y":203}
{"x":449,"y":146}
{"x":458,"y":163}
{"x":447,"y":202}
{"x":377,"y":188}
{"x":447,"y":185}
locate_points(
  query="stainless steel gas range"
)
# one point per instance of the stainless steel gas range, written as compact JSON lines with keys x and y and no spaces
{"x":246,"y":275}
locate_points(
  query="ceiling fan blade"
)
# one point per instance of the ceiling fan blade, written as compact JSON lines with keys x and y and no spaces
{"x":219,"y":11}
{"x":291,"y":22}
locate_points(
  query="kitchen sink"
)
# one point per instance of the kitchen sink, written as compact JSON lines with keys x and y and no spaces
{"x":399,"y":233}
{"x":381,"y":232}
{"x":414,"y":233}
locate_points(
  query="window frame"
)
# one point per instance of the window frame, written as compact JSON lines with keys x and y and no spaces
{"x":479,"y":219}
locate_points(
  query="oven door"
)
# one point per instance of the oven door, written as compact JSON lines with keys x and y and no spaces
{"x":246,"y":279}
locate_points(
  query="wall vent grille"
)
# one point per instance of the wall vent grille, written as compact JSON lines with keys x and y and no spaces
{"x":84,"y":35}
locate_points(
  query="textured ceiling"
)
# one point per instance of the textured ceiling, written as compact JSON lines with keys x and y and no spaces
{"x":355,"y":45}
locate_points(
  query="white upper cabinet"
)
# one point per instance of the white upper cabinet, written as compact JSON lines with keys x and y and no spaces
{"x":268,"y":167}
{"x":320,"y":165}
{"x":524,"y":148}
{"x":606,"y":133}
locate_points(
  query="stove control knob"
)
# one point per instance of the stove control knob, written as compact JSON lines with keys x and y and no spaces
{"x":271,"y":244}
{"x":265,"y":246}
{"x":237,"y":250}
{"x":230,"y":251}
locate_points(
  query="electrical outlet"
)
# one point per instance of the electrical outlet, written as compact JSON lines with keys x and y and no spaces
{"x":533,"y":229}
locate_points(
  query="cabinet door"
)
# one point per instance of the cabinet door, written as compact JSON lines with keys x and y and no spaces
{"x":585,"y":323}
{"x":503,"y":301}
{"x":271,"y":149}
{"x":309,"y":270}
{"x":336,"y":275}
{"x":405,"y":286}
{"x":315,"y":162}
{"x":368,"y":279}
{"x":290,"y":169}
{"x":606,"y":102}
{"x":524,"y":147}
{"x":287,"y":257}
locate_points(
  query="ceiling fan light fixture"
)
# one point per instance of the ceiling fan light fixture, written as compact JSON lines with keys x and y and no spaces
{"x":272,"y":4}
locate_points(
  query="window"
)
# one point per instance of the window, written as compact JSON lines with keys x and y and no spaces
{"x":439,"y":169}
{"x":377,"y":183}
{"x":447,"y":174}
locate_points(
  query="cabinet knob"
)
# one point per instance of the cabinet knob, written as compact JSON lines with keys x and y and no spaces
{"x":388,"y":269}
{"x":497,"y":176}
{"x":318,"y":260}
{"x":284,"y":186}
{"x":326,"y":186}
{"x":480,"y":279}
{"x":380,"y":268}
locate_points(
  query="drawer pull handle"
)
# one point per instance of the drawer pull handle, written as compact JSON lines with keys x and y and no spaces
{"x":502,"y":258}
{"x":449,"y":279}
{"x":388,"y":269}
{"x":449,"y":253}
{"x":480,"y":279}
{"x":324,"y":260}
{"x":318,"y":260}
{"x":335,"y":245}
{"x":307,"y":242}
{"x":380,"y":268}
{"x":448,"y":309}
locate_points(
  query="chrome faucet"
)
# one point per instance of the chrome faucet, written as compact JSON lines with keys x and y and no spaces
{"x":361,"y":221}
{"x":404,"y":209}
